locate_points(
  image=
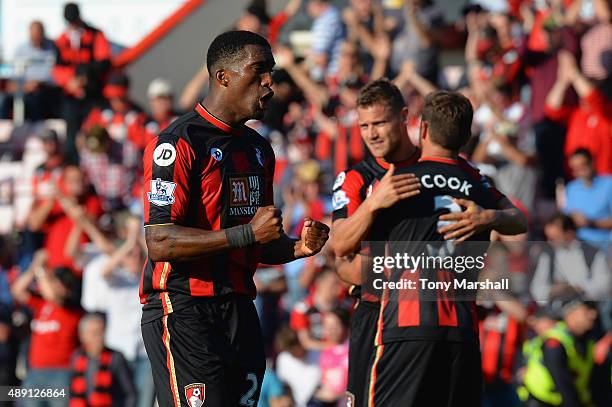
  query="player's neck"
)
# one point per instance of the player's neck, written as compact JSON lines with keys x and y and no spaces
{"x":429,"y":150}
{"x":401,"y":155}
{"x":218,"y":108}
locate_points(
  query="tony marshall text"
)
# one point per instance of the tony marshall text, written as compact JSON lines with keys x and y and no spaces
{"x":426,"y":284}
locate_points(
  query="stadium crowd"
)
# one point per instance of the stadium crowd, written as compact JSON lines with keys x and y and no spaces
{"x":536,"y":71}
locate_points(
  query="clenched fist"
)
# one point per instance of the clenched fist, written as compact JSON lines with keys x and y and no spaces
{"x":313,"y":237}
{"x":267,"y":224}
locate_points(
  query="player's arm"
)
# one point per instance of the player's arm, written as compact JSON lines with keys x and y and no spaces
{"x":348,"y":233}
{"x":286,"y":249}
{"x":349,"y":268}
{"x":173,"y":242}
{"x":507,"y":219}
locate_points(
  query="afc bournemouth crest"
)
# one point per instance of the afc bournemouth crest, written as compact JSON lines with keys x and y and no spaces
{"x":195,"y":394}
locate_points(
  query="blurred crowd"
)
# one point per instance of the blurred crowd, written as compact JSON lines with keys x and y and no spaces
{"x":538,"y":75}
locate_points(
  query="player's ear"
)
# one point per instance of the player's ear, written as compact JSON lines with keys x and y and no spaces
{"x":423,"y":130}
{"x":222,"y":77}
{"x":404,"y":115}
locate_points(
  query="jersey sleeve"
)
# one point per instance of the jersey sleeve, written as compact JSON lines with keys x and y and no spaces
{"x":168,"y":163}
{"x":347,"y":194}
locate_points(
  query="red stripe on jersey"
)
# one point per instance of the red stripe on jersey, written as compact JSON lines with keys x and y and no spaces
{"x":203,"y":285}
{"x":447,"y":311}
{"x":408,"y":306}
{"x":218,"y":123}
{"x":351,"y":186}
{"x":157,"y":273}
{"x":181,"y":177}
{"x":490,"y":354}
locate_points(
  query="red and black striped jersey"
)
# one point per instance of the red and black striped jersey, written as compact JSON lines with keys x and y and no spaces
{"x":411,"y":227}
{"x":354,"y":185}
{"x":202,"y":173}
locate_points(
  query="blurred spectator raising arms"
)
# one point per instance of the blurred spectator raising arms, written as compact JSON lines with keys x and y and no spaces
{"x":327,"y":35}
{"x":56,"y":310}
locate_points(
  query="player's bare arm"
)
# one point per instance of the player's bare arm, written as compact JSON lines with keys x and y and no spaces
{"x":349,"y":233}
{"x":173,"y":242}
{"x":349,"y":268}
{"x":313,"y":237}
{"x":507,"y":220}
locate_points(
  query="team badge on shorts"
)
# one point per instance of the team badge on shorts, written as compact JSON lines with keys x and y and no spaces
{"x":195,"y":393}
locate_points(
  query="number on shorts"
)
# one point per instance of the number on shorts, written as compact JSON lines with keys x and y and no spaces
{"x":246,"y":400}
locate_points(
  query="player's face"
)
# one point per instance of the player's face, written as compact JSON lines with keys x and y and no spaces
{"x":381,"y":129}
{"x":252,"y":85}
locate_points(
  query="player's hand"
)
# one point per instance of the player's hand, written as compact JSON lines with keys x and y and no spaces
{"x":392,"y":189}
{"x":313,"y":237}
{"x":466,"y":224}
{"x":267,"y":224}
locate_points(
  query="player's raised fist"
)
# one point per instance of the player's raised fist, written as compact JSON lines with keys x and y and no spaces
{"x":267,"y":224}
{"x":313,"y":237}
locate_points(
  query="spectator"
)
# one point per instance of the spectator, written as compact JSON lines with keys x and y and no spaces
{"x":588,"y":200}
{"x":274,"y":392}
{"x":506,"y":149}
{"x":541,"y":63}
{"x":296,"y":367}
{"x":591,"y":117}
{"x":334,"y":359}
{"x":307,"y":316}
{"x":54,"y":338}
{"x":160,"y":115}
{"x":100,"y":376}
{"x":83,"y":61}
{"x":551,"y":377}
{"x":327,"y":35}
{"x":111,"y":179}
{"x":567,"y":264}
{"x":51,"y":215}
{"x":38,"y":57}
{"x":418,"y":38}
{"x":110,"y":285}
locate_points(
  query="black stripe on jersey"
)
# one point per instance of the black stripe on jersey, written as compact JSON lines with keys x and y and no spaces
{"x":162,"y":214}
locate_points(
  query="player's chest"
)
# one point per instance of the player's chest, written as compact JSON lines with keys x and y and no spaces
{"x":234,"y":179}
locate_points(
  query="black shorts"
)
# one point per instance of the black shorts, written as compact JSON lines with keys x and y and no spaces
{"x":211,"y":351}
{"x":361,"y":350}
{"x":425,"y":373}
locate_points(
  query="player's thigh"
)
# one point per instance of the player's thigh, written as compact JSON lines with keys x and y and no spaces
{"x":466,"y":384}
{"x":397,"y":374}
{"x":361,"y":351}
{"x":250,"y":363}
{"x":187,"y":358}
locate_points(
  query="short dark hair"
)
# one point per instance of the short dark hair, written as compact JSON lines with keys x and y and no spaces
{"x":583,"y":152}
{"x":449,"y":118}
{"x":343,"y":315}
{"x":565,"y":221}
{"x":229,"y":47}
{"x":381,"y":91}
{"x":72,"y":13}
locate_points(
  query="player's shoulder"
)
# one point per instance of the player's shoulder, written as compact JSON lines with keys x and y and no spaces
{"x":363,"y":172}
{"x":257,"y":140}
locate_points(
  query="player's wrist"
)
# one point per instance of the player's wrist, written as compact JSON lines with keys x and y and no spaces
{"x":240,"y":236}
